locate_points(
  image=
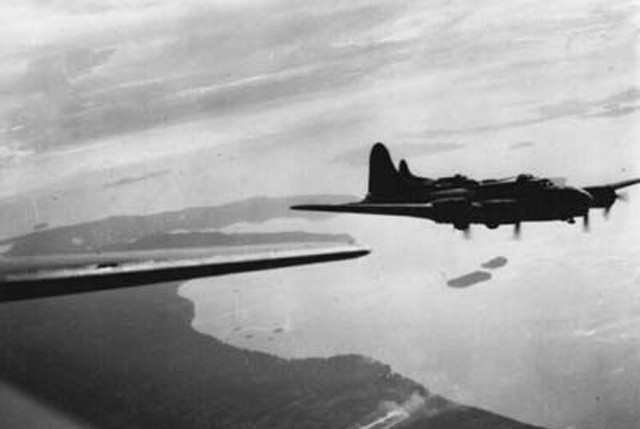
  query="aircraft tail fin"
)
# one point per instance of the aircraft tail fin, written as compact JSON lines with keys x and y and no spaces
{"x":384,"y":179}
{"x":404,"y":170}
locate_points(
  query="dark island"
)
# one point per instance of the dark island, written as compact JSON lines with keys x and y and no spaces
{"x":469,"y":279}
{"x":494,"y":263}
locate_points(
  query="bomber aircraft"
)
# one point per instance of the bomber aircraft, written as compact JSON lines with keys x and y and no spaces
{"x":462,"y":201}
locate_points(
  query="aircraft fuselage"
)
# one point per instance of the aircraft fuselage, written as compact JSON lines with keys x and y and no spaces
{"x":462,"y":201}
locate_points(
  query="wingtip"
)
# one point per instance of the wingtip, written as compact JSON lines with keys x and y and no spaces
{"x":316,"y":207}
{"x":306,"y":208}
{"x":626,"y":183}
{"x":358,"y":252}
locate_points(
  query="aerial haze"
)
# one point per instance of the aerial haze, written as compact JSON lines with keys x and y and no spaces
{"x":114,"y":108}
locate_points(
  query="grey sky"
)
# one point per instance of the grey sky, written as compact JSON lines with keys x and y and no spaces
{"x":82,"y":74}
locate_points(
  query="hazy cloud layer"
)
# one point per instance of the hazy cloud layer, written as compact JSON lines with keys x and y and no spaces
{"x":616,"y":104}
{"x":111,"y":84}
{"x":520,"y":145}
{"x":136,"y":179}
{"x":88,"y":70}
{"x":212,"y":60}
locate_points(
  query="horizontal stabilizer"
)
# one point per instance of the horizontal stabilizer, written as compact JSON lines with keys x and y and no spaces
{"x":414,"y":210}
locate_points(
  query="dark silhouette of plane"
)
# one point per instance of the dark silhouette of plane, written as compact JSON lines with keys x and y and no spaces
{"x":46,"y":276}
{"x":462,"y":201}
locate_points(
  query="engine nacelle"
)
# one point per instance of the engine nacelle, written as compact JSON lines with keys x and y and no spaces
{"x":452,"y":210}
{"x":603,"y":197}
{"x":496,"y":212}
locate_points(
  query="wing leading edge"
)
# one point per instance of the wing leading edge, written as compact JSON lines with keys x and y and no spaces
{"x":36,"y":277}
{"x":389,"y":209}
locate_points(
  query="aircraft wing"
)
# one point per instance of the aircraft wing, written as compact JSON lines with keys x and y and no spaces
{"x":604,"y":196}
{"x":613,"y":186}
{"x":624,"y":183}
{"x":44,"y":276}
{"x":389,"y":209}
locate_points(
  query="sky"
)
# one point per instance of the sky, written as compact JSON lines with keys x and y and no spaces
{"x":133,"y":107}
{"x":91,"y":88}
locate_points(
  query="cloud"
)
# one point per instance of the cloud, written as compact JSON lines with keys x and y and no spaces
{"x":615,"y":111}
{"x":136,"y":179}
{"x":184,"y":67}
{"x":86,"y":73}
{"x":619,"y":330}
{"x":615,"y":104}
{"x":618,"y":104}
{"x":11,"y":154}
{"x":629,"y":95}
{"x":520,"y":145}
{"x":562,"y":109}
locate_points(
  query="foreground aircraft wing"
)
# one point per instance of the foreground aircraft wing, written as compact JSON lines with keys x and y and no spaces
{"x":45,"y":276}
{"x":389,"y":209}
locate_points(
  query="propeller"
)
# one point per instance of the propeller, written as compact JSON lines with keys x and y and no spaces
{"x":615,"y":196}
{"x":585,"y":223}
{"x":517,"y":230}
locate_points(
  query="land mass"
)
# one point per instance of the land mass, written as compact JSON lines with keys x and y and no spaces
{"x":122,"y":232}
{"x":131,"y":359}
{"x":39,"y":245}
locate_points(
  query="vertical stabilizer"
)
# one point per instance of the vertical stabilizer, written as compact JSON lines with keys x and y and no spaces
{"x":404,"y":169}
{"x":411,"y":178}
{"x":384,"y":180}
